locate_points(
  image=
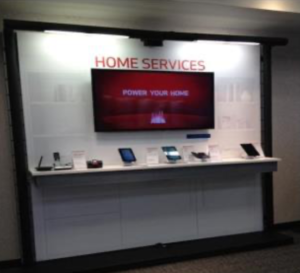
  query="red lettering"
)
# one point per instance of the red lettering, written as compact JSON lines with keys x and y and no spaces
{"x":111,"y":62}
{"x":124,"y":63}
{"x":134,"y":63}
{"x":146,"y":64}
{"x":173,"y":64}
{"x":201,"y":66}
{"x":163,"y":64}
{"x":184,"y":67}
{"x":99,"y":62}
{"x":155,"y":63}
{"x":179,"y":65}
{"x":193,"y":65}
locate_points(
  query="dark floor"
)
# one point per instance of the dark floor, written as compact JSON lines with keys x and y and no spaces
{"x":284,"y":259}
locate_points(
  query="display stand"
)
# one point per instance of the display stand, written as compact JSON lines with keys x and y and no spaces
{"x":46,"y":207}
{"x":227,"y":197}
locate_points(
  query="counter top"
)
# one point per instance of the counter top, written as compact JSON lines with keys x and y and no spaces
{"x":137,"y":167}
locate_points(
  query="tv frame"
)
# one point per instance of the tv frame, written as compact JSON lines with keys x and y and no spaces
{"x":152,"y":71}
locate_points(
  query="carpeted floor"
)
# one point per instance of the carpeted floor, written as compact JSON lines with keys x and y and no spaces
{"x":285,"y":259}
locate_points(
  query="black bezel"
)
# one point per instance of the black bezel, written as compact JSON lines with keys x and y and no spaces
{"x":212,"y":84}
{"x":250,"y":149}
{"x":122,"y":150}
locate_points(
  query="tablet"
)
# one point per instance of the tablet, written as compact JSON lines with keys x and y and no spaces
{"x":171,"y":153}
{"x":250,"y":149}
{"x":127,"y":155}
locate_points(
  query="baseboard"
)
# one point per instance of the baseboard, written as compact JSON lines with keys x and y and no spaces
{"x":160,"y":254}
{"x":287,"y":225}
{"x":155,"y":255}
{"x":10,"y":264}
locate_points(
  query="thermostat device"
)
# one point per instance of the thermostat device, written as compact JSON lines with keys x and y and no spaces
{"x":127,"y":155}
{"x":171,"y":153}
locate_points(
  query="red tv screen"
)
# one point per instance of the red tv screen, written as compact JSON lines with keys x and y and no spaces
{"x":130,"y":100}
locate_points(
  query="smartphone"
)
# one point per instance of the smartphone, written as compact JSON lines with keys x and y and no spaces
{"x":250,"y":149}
{"x":56,"y":157}
{"x":171,"y":153}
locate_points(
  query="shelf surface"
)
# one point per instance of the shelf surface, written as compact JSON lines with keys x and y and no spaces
{"x":136,"y":167}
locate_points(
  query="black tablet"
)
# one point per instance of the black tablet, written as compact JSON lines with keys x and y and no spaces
{"x":171,"y":153}
{"x":250,"y":149}
{"x":127,"y":155}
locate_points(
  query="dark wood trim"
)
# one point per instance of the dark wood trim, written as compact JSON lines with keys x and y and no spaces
{"x":266,"y":134}
{"x":142,"y":34}
{"x":10,"y":264}
{"x":20,"y":151}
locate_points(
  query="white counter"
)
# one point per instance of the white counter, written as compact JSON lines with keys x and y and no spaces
{"x":136,"y":167}
{"x":79,"y":212}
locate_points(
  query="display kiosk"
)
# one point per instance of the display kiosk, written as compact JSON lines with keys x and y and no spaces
{"x":88,"y":96}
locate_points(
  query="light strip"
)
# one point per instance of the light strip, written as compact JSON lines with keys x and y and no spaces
{"x":73,"y":33}
{"x":228,"y":42}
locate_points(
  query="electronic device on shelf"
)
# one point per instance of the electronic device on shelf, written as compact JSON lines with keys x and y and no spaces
{"x":56,"y":157}
{"x":94,"y":164}
{"x":202,"y":156}
{"x":250,"y":150}
{"x":171,"y":153}
{"x":127,"y":155}
{"x":43,"y":168}
{"x":138,"y":100}
{"x":63,"y":167}
{"x":58,"y":165}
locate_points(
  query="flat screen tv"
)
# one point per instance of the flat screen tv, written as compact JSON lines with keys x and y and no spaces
{"x":137,"y":100}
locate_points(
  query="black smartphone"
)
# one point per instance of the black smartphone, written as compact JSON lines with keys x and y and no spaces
{"x":171,"y":153}
{"x":56,"y":157}
{"x":250,"y":150}
{"x":127,"y":155}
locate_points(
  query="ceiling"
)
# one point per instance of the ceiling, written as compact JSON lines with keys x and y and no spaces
{"x":292,"y":6}
{"x":259,"y":16}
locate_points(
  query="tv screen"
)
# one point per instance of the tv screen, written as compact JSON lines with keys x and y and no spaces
{"x":131,"y":100}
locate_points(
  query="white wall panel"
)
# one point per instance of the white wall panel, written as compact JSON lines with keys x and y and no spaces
{"x":57,"y":95}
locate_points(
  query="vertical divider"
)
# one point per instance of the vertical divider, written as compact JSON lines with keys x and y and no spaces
{"x":266,"y":130}
{"x":23,"y":183}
